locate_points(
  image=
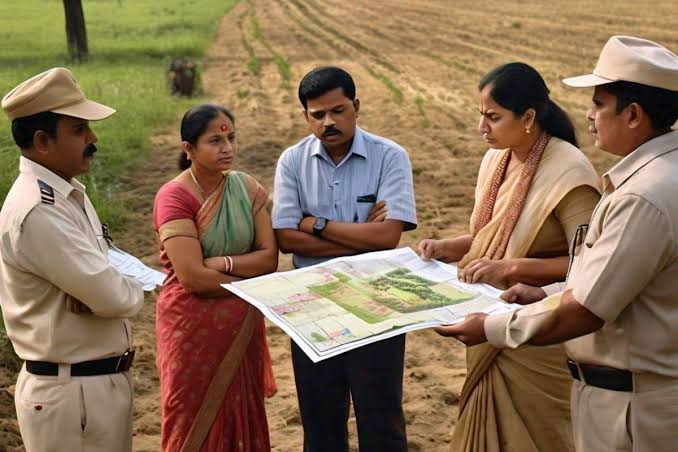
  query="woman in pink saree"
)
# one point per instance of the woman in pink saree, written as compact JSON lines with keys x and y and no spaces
{"x":212,"y":354}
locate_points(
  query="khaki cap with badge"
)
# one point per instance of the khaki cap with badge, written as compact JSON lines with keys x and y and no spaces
{"x":55,"y":90}
{"x":630,"y":59}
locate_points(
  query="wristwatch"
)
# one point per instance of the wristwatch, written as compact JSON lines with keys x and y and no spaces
{"x":319,"y":226}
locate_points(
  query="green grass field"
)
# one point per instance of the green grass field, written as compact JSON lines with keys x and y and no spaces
{"x":407,"y":297}
{"x":348,"y":298}
{"x":131,"y":44}
{"x":450,"y":292}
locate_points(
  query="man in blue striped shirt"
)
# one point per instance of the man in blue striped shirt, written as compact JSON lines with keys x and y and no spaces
{"x":338,"y":192}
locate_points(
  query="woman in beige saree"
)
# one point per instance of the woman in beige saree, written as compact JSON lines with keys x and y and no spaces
{"x":534,"y":188}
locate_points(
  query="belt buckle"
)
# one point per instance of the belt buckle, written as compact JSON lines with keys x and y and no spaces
{"x":125,"y":361}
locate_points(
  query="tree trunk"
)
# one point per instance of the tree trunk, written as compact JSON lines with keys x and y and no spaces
{"x":76,"y":32}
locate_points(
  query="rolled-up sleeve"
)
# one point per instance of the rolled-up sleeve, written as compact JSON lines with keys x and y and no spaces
{"x":286,"y":212}
{"x":633,"y":246}
{"x":56,"y":250}
{"x":396,"y":188}
{"x":554,"y":288}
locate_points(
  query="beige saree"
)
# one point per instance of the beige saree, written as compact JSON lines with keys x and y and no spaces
{"x":518,"y":400}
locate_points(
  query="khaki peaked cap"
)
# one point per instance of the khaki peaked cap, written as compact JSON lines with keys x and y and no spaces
{"x":55,"y":90}
{"x":633,"y":60}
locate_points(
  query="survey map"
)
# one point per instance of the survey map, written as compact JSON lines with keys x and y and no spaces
{"x":348,"y":302}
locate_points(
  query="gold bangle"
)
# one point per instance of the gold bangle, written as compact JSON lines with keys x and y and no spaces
{"x":227,"y":266}
{"x":230,"y":264}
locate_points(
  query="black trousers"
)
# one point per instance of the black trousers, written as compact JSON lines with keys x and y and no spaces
{"x":373,"y":377}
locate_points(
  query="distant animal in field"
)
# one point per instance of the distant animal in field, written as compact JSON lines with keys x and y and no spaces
{"x":183,"y":77}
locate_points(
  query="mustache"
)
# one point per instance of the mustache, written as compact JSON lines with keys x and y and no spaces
{"x":330,"y":131}
{"x":89,"y":150}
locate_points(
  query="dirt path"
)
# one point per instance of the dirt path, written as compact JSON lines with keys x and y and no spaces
{"x":416,"y":66}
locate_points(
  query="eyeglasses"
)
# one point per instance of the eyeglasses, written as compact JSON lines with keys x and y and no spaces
{"x":577,"y":242}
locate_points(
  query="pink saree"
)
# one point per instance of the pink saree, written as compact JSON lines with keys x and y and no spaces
{"x":195,"y":334}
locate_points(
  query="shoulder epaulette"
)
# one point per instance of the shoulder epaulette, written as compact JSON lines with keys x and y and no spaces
{"x":46,"y":192}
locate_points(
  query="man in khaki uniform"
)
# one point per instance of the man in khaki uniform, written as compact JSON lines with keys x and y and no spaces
{"x":65,"y":307}
{"x":619,"y":310}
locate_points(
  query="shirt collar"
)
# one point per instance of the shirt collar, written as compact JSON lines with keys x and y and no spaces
{"x":357,"y":147}
{"x":37,"y":171}
{"x":637,"y":159}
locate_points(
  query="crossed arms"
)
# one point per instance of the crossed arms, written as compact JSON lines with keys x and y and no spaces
{"x":203,"y":277}
{"x":340,"y":238}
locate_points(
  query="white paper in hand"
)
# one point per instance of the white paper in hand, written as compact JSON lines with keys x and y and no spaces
{"x":130,"y":266}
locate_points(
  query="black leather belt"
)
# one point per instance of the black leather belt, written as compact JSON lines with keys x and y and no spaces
{"x":86,"y":368}
{"x":602,"y":377}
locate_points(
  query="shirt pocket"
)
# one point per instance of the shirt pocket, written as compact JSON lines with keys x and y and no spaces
{"x":363,"y":207}
{"x":592,"y":236}
{"x":595,"y":227}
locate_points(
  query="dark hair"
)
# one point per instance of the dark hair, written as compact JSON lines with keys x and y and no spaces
{"x":324,"y":79}
{"x":661,"y":105}
{"x":518,"y":87}
{"x":194,"y":123}
{"x":23,"y":129}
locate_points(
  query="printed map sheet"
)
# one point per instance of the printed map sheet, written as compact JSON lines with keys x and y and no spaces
{"x":348,"y":302}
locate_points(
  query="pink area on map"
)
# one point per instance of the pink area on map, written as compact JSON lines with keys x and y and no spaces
{"x":301,"y":297}
{"x":285,"y":309}
{"x":339,"y":333}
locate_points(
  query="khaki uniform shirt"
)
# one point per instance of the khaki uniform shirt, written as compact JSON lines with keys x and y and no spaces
{"x":52,"y":251}
{"x":625,"y":272}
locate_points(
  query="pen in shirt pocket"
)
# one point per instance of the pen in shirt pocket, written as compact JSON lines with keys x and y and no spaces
{"x":368,"y":199}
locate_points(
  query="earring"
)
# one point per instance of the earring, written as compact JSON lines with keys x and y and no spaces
{"x":527,"y":130}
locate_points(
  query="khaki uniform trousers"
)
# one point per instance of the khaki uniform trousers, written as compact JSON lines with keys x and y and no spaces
{"x":645,"y":420}
{"x":75,"y":414}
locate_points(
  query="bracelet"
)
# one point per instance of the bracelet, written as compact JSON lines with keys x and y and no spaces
{"x":228,"y":261}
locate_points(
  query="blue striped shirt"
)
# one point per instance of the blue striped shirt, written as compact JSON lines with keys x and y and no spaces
{"x":307,"y":182}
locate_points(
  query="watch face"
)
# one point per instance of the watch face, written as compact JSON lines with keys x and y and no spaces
{"x":319,"y":224}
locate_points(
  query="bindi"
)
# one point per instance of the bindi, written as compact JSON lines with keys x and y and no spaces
{"x":224,"y":127}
